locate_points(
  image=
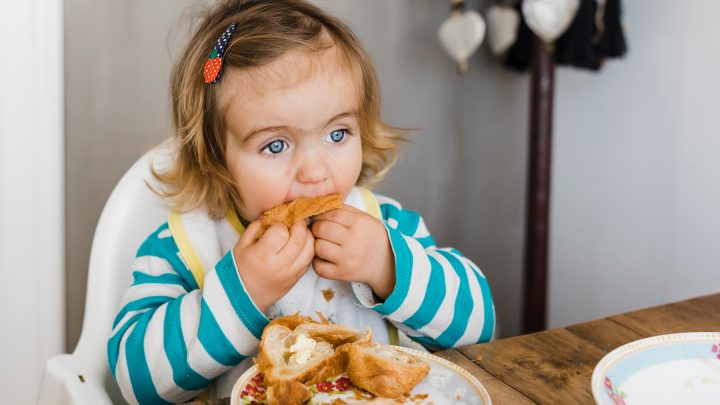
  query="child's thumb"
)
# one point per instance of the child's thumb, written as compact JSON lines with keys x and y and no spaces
{"x":251,"y":235}
{"x":275,"y":238}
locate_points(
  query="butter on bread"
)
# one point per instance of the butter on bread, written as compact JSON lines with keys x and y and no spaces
{"x":297,"y":210}
{"x":383,"y":370}
{"x":300,"y":349}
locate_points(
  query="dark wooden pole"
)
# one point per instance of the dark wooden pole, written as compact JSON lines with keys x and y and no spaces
{"x":538,"y":188}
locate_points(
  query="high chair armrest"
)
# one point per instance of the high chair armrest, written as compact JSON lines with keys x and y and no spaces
{"x":66,"y":382}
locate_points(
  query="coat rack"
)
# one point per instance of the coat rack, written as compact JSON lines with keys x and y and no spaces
{"x":537,"y":221}
{"x":536,"y":35}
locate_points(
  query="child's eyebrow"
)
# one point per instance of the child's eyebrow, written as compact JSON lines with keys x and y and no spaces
{"x":256,"y":132}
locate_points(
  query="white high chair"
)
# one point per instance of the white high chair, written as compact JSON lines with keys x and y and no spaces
{"x":131,"y":213}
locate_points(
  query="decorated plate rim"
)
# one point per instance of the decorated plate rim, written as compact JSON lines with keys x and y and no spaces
{"x":471,"y":379}
{"x":630,"y":348}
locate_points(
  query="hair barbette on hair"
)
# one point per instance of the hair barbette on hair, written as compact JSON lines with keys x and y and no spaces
{"x":266,"y":30}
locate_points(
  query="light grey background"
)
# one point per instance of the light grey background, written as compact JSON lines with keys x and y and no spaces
{"x":635,"y":176}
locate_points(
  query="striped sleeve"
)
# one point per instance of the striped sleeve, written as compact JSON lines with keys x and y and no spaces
{"x":170,"y":339}
{"x":441,"y":299}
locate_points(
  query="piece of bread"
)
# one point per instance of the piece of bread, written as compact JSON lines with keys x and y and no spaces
{"x":297,"y":210}
{"x":383,"y":370}
{"x":307,"y":353}
{"x":288,"y":392}
{"x":296,"y":352}
{"x":291,"y":321}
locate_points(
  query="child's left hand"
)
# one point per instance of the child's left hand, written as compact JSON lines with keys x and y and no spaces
{"x":351,"y":245}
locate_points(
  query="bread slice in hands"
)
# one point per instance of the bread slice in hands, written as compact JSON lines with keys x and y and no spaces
{"x":382,"y":370}
{"x":299,"y":349}
{"x":297,"y":210}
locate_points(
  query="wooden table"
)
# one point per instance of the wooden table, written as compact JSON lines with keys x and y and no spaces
{"x":555,"y":366}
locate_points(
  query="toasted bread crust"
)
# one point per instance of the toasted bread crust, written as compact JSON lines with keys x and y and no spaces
{"x":264,"y":360}
{"x":291,"y":321}
{"x":334,"y":334}
{"x":381,"y":375}
{"x":297,"y":210}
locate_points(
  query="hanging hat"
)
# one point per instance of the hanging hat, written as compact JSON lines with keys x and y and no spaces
{"x":576,"y":46}
{"x":549,"y":19}
{"x":502,"y":22}
{"x":612,"y":43}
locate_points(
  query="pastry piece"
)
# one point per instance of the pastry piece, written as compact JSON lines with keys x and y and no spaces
{"x":288,"y":392}
{"x":297,"y":210}
{"x":334,"y":334}
{"x":306,"y":353}
{"x":291,"y":321}
{"x":383,"y":370}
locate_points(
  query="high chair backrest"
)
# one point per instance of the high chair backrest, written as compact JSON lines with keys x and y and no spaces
{"x":131,"y":213}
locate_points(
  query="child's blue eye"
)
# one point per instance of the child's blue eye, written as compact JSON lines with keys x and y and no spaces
{"x":275,"y":146}
{"x":337,"y":135}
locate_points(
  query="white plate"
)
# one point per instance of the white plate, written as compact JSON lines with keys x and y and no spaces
{"x":447,"y":383}
{"x":682,"y":368}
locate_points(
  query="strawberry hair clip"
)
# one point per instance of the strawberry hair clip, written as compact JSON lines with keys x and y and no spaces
{"x":213,"y":66}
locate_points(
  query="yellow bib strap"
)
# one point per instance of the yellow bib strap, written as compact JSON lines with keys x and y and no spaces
{"x":234,"y":220}
{"x":371,"y":203}
{"x":187,"y":252}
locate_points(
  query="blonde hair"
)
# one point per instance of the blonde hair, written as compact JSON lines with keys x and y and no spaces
{"x":265,"y":31}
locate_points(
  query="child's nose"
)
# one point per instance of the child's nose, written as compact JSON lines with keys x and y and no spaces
{"x":312,"y":169}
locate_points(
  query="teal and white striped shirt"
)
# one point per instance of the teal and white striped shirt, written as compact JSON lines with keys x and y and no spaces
{"x":171,"y":339}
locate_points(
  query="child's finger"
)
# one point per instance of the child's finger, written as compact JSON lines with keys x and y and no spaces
{"x":349,"y":208}
{"x":327,"y":250}
{"x":296,"y":240}
{"x":324,"y":268}
{"x":302,"y":260}
{"x":330,"y":230}
{"x":274,"y":238}
{"x":250,"y":235}
{"x":344,"y":215}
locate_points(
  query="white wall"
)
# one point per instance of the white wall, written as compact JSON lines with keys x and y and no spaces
{"x":696,"y":257}
{"x":32,"y":316}
{"x":636,"y":181}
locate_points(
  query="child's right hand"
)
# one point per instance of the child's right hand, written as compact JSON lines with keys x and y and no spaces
{"x":270,"y":266}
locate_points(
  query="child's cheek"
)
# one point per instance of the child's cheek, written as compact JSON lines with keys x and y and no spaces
{"x":267,"y":194}
{"x":352,"y":165}
{"x":261,"y":185}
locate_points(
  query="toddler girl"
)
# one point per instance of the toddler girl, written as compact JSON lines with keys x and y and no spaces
{"x":272,"y":101}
